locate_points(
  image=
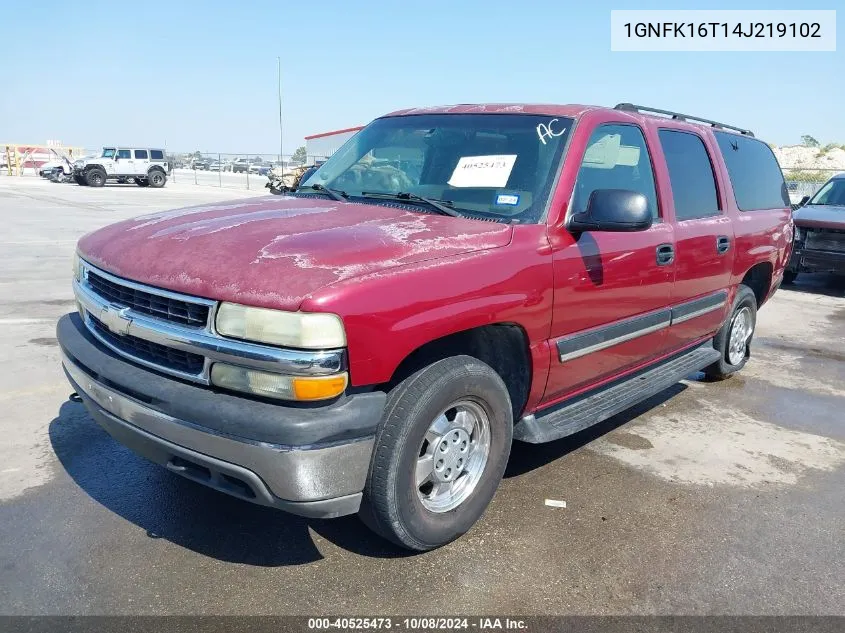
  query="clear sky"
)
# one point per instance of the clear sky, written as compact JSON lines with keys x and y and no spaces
{"x":202,"y":75}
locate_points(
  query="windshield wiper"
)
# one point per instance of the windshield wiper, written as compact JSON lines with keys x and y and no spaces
{"x":445,"y":207}
{"x":340,"y":196}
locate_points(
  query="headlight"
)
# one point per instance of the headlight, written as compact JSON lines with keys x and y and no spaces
{"x":305,"y":330}
{"x":270,"y":385}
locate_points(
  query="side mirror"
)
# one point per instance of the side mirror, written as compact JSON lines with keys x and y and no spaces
{"x":617,"y":210}
{"x":804,"y":201}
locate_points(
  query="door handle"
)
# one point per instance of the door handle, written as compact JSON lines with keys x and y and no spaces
{"x":723,"y":244}
{"x":665,"y":254}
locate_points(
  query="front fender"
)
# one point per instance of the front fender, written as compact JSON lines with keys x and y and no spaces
{"x":389,"y":314}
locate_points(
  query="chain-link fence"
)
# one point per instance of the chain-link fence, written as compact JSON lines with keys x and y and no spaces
{"x":804,"y":181}
{"x":249,"y":170}
{"x":238,"y":171}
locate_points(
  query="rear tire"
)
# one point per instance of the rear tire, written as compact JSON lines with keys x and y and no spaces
{"x":440,"y":453}
{"x":95,"y":177}
{"x":156,"y":178}
{"x":733,"y":341}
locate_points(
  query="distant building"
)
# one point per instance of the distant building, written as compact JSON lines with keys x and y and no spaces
{"x":321,"y":146}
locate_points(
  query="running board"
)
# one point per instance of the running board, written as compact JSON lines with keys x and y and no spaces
{"x":598,"y":405}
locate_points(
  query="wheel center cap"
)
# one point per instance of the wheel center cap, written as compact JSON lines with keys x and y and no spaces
{"x":450,"y":455}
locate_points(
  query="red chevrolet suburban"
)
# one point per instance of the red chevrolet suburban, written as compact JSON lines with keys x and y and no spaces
{"x":452,"y":279}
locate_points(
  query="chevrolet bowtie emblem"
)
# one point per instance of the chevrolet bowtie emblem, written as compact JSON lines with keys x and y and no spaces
{"x":116,"y":319}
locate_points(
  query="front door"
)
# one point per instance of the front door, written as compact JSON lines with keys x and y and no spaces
{"x":124,"y":164}
{"x":612,"y":290}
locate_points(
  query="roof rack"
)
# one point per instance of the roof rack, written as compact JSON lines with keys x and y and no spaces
{"x":677,"y":116}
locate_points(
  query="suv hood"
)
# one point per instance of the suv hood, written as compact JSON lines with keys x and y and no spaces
{"x":274,"y":251}
{"x":820,"y":216}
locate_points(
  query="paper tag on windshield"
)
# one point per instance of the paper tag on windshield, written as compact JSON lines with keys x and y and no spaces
{"x":483,"y":171}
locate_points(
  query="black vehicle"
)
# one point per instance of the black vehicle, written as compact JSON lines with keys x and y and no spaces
{"x":819,"y":245}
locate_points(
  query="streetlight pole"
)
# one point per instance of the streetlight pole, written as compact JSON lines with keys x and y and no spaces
{"x":281,"y":138}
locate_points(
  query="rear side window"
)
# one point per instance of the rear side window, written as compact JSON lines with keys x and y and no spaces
{"x":156,"y":154}
{"x":124,"y":153}
{"x":691,"y":175}
{"x":141,"y":153}
{"x":754,"y":171}
{"x":616,"y":158}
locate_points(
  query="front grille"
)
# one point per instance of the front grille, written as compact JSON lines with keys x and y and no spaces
{"x":174,"y":310}
{"x":826,"y":240}
{"x":154,"y":353}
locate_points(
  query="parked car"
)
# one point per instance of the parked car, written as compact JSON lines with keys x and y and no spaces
{"x":240,"y":165}
{"x":201,"y":164}
{"x":148,"y":167}
{"x":820,"y":232}
{"x":369,"y":344}
{"x":257,"y":167}
{"x":63,"y":166}
{"x":46,"y":169}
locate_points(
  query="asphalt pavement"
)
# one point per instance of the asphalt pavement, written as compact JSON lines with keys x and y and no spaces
{"x":711,"y":498}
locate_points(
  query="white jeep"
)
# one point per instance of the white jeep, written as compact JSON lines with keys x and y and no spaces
{"x":147,"y":167}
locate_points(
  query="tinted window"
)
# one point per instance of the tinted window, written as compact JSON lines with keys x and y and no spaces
{"x":141,"y":153}
{"x":124,"y":153}
{"x":616,"y":158}
{"x":156,"y":154}
{"x":691,"y":175}
{"x":755,"y":174}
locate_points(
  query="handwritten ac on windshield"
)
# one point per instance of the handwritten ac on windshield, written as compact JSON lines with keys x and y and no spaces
{"x":547,"y":131}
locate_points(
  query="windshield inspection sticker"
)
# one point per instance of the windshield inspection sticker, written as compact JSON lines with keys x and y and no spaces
{"x":507,"y":198}
{"x":548,"y":131}
{"x":483,"y":171}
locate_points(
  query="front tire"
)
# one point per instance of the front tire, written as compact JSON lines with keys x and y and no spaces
{"x":733,"y":341}
{"x":789,"y":276}
{"x":95,"y":177}
{"x":142,"y":182}
{"x":440,"y":453}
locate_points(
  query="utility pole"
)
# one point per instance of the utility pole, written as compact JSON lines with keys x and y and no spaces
{"x":281,"y":138}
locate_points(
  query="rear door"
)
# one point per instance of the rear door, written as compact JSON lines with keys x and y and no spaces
{"x":704,"y":236}
{"x":611,"y":290}
{"x":142,"y":160}
{"x":158,"y":157}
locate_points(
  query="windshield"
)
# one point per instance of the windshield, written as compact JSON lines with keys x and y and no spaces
{"x":108,"y":152}
{"x":498,"y":165}
{"x":833,"y":193}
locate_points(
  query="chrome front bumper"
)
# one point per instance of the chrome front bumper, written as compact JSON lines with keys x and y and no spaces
{"x":307,"y":461}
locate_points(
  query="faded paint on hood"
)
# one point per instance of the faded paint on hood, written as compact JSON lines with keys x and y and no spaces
{"x":275,"y":251}
{"x":820,"y":216}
